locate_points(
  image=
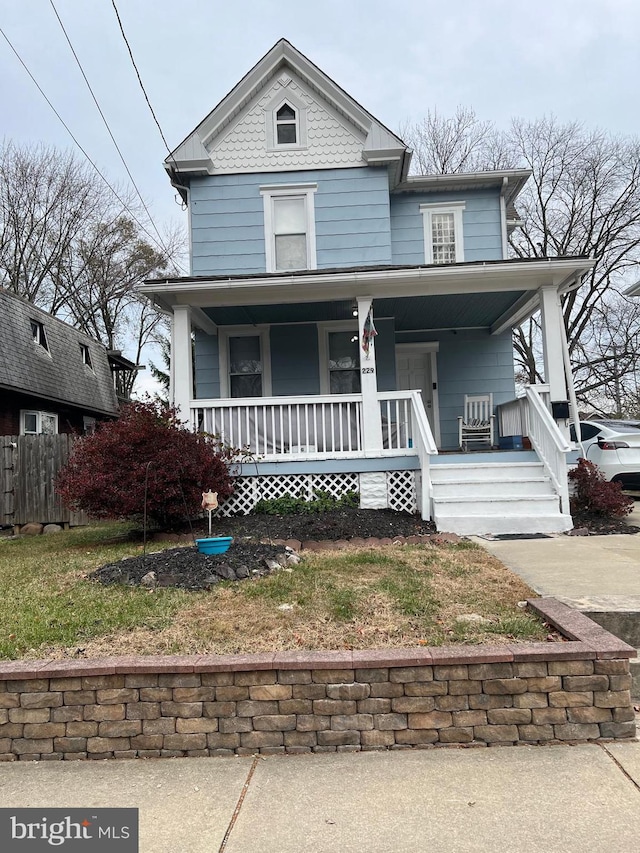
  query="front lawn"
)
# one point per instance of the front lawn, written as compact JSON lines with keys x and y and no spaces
{"x":358,"y":598}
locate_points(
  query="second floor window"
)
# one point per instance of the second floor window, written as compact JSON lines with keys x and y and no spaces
{"x":39,"y":336}
{"x":86,"y":355}
{"x":443,"y":237}
{"x":290,"y":242}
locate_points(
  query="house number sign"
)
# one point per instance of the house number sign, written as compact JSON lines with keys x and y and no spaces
{"x":368,"y":370}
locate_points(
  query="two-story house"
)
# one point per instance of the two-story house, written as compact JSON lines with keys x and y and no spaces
{"x":343,"y":311}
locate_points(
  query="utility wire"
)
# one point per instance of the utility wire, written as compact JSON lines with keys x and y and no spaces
{"x":144,"y":92}
{"x":106,"y":124}
{"x":70,"y":132}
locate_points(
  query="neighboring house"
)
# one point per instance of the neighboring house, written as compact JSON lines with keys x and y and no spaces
{"x":342,"y":310}
{"x":53,"y":378}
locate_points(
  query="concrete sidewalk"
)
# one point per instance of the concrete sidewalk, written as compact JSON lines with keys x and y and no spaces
{"x":583,"y":798}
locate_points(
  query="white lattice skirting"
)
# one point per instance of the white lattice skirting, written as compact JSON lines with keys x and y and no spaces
{"x":401,"y":489}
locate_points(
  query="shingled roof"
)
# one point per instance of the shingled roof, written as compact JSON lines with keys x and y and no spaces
{"x":57,"y":372}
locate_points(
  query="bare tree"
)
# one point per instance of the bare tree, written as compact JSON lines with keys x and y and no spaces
{"x":461,"y":143}
{"x":68,"y":245}
{"x":583,"y":198}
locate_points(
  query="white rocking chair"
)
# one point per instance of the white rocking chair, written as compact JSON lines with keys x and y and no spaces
{"x":477,"y":423}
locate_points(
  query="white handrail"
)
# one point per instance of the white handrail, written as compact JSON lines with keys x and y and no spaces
{"x":550,"y":445}
{"x":426,"y":447}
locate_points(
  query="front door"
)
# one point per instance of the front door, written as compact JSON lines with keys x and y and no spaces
{"x":416,"y":371}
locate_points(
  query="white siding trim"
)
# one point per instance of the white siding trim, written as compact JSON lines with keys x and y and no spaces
{"x":427,"y":211}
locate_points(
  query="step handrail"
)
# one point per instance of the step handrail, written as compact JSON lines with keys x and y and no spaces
{"x":550,"y":445}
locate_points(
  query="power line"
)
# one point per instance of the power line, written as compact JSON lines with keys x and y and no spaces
{"x":106,"y":124}
{"x":125,"y":206}
{"x":144,"y":92}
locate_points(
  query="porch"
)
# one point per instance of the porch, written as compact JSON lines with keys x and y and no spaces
{"x":296,"y":445}
{"x":360,"y":375}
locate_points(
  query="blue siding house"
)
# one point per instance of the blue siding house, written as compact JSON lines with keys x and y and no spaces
{"x":344,"y":310}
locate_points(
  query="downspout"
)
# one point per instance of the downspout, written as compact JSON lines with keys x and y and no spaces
{"x":570,"y":385}
{"x":503,"y":217}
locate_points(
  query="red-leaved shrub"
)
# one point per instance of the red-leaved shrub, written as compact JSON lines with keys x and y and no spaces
{"x":105,"y":474}
{"x":595,"y":495}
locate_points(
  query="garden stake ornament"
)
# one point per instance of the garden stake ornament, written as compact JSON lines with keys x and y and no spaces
{"x":209,"y":503}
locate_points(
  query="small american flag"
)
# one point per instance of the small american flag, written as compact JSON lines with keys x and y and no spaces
{"x":368,"y":332}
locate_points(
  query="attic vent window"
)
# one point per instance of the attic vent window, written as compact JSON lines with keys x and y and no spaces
{"x":39,"y":336}
{"x":286,"y":125}
{"x":86,"y":355}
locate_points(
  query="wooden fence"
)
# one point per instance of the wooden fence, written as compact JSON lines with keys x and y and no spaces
{"x":28,"y":468}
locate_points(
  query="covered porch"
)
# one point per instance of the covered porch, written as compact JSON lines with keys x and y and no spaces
{"x":320,"y":402}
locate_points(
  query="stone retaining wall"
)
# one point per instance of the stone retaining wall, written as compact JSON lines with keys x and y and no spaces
{"x":322,"y":701}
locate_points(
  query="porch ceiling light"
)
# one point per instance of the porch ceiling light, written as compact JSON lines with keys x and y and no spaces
{"x":354,"y":311}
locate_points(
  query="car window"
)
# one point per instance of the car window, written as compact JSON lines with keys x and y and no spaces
{"x":588,"y":431}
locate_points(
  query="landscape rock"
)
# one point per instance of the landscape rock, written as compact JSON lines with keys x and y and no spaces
{"x":472,"y":618}
{"x":579,"y":531}
{"x":31,"y":529}
{"x":149,"y":580}
{"x":52,"y":528}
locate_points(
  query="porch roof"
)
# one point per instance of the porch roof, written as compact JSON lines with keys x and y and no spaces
{"x":496,"y":294}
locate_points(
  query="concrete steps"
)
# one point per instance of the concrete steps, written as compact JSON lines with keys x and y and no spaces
{"x":475,"y":498}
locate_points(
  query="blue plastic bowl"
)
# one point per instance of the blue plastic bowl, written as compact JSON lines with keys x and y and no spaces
{"x":214,"y":545}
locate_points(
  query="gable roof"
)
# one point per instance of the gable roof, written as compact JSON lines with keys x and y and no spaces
{"x":59,"y":374}
{"x":381,"y":145}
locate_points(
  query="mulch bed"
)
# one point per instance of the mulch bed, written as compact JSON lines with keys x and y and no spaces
{"x":260,"y":538}
{"x":586,"y":524}
{"x":257,"y":539}
{"x":345,"y":523}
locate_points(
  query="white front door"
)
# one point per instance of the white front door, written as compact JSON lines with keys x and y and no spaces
{"x":416,"y":371}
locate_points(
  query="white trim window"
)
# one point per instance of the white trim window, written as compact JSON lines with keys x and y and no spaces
{"x":38,"y":333}
{"x":443,"y":235}
{"x":339,"y":357}
{"x":85,"y":354}
{"x":285,"y":121}
{"x":38,"y":423}
{"x":245,"y":362}
{"x":287,"y":131}
{"x":289,"y":227}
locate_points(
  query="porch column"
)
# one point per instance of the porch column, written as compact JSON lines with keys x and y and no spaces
{"x":181,"y":360}
{"x":371,"y":420}
{"x":554,"y":372}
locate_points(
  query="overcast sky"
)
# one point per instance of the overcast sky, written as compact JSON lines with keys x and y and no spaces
{"x":579,"y":59}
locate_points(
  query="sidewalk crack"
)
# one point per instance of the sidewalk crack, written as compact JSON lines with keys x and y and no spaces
{"x":620,"y":767}
{"x":236,"y":812}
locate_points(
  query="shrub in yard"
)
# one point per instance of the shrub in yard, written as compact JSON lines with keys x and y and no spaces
{"x":105,"y":474}
{"x":322,"y":502}
{"x":595,"y":495}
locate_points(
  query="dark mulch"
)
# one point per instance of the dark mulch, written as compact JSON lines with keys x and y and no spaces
{"x":186,"y":568}
{"x":596,"y":525}
{"x":345,"y":523}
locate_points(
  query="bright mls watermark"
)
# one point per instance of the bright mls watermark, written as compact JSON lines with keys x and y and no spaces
{"x":86,"y":830}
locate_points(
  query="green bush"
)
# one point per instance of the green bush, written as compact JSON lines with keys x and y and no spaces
{"x":322,"y":502}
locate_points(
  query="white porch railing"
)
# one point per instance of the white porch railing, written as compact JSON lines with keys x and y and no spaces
{"x":316,"y":427}
{"x":549,"y":443}
{"x":513,"y":417}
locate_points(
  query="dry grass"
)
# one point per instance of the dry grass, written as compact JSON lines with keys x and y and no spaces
{"x":360,"y":598}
